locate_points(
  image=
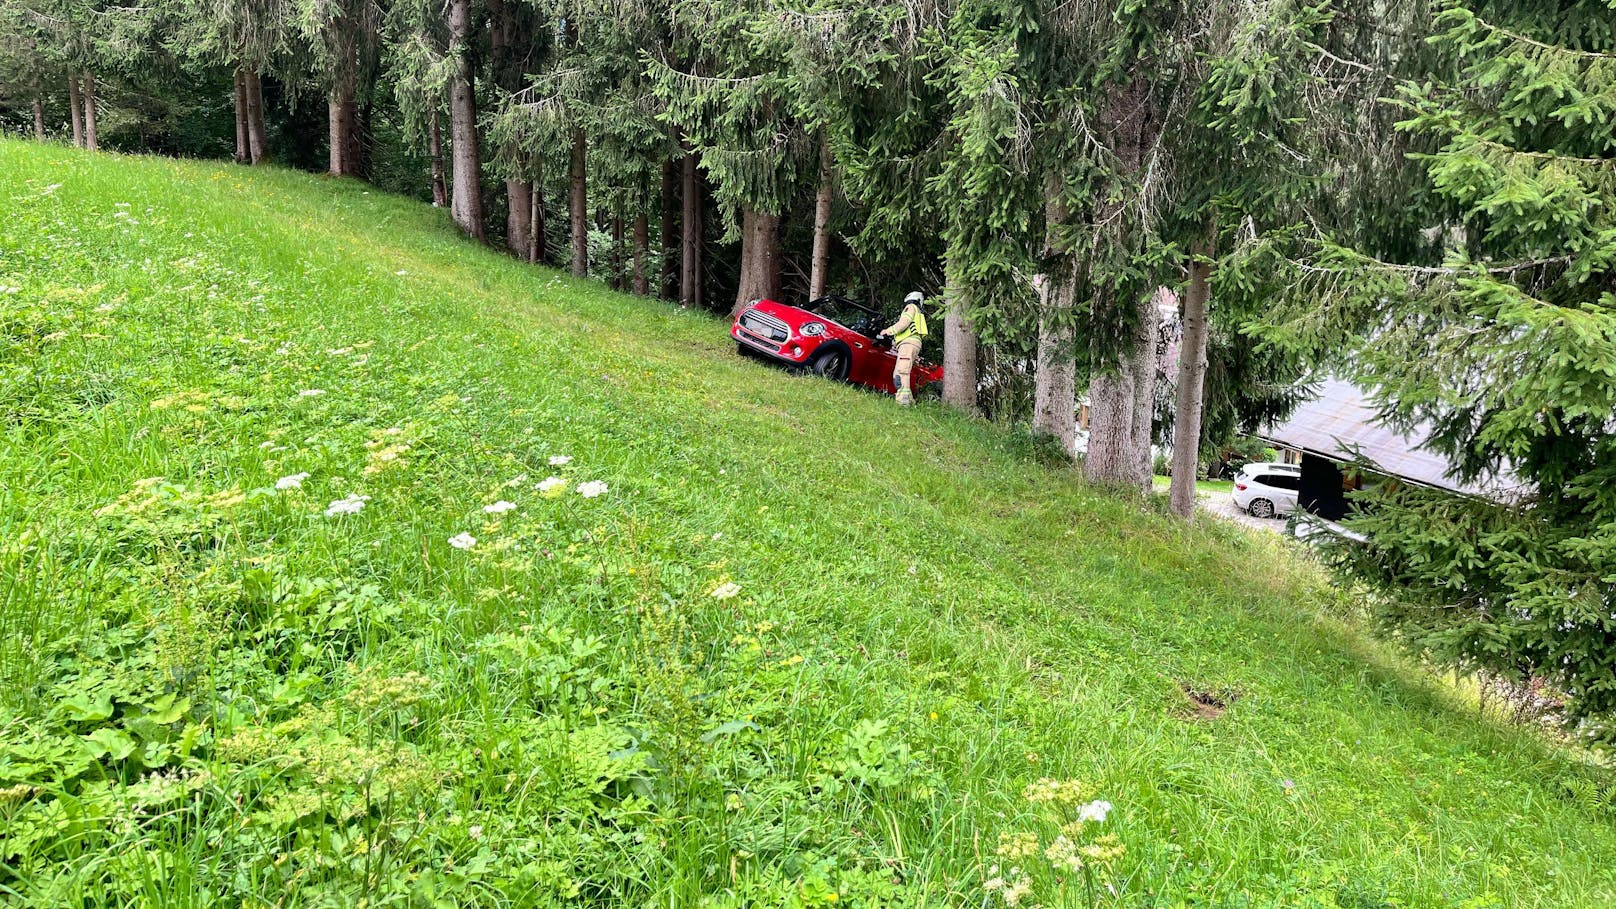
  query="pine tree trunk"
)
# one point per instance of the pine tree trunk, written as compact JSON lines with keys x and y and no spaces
{"x":342,"y":112}
{"x":39,"y":119}
{"x":642,"y":244}
{"x":1054,"y":409}
{"x":537,"y":247}
{"x":243,"y":156}
{"x":466,"y":202}
{"x":75,"y":107}
{"x":434,"y":142}
{"x":519,"y":217}
{"x":820,"y":262}
{"x":1143,"y":367}
{"x":1121,"y":392}
{"x":670,"y":215}
{"x":1191,"y":383}
{"x":1111,"y":410}
{"x":690,"y":271}
{"x":617,"y":252}
{"x":580,"y":203}
{"x":959,"y":357}
{"x":257,"y":139}
{"x":760,"y":258}
{"x":90,"y":140}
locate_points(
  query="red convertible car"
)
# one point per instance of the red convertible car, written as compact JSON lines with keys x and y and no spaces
{"x":832,"y":336}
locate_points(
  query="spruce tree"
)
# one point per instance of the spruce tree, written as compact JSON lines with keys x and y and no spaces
{"x":1502,"y":352}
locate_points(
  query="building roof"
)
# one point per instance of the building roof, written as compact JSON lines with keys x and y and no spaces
{"x":1340,"y":425}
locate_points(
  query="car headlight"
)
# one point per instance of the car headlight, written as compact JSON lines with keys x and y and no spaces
{"x":812,"y":329}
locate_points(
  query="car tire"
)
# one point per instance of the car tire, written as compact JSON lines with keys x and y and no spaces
{"x":1260,"y":508}
{"x":832,"y":364}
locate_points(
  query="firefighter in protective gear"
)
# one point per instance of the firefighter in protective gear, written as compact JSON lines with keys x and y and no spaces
{"x":906,"y":335}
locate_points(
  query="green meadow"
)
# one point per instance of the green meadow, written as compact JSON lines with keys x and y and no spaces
{"x":345,"y":562}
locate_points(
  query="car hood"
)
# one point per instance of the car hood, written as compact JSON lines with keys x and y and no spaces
{"x":794,"y":316}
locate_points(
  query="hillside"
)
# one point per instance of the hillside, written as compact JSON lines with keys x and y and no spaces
{"x":800,"y":649}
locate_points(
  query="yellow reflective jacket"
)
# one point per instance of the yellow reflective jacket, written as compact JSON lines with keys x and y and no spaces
{"x":912,"y":324}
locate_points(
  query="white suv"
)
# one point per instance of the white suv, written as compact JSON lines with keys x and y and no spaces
{"x":1267,"y":490}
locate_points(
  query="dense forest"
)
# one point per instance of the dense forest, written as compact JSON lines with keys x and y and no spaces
{"x":1414,"y":195}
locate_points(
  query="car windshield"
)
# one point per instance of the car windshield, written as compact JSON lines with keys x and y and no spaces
{"x":840,"y":309}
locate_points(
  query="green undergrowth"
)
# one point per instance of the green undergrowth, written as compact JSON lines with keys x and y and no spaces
{"x":799,"y":648}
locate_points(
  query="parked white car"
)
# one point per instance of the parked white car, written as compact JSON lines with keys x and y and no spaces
{"x":1267,"y":490}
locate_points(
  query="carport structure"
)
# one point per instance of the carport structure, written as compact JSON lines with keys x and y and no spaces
{"x":1340,"y":428}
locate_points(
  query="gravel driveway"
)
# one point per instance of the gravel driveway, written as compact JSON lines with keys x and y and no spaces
{"x":1222,"y":505}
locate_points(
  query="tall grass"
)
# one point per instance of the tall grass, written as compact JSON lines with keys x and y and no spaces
{"x":213,"y":691}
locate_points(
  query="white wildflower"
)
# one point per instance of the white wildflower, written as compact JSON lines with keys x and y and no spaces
{"x":292,"y":481}
{"x":401,"y":273}
{"x":560,"y":460}
{"x":516,"y":481}
{"x":1094,"y":811}
{"x":499,"y":507}
{"x":353,"y":504}
{"x":475,"y":831}
{"x":726,"y":590}
{"x":592,"y":488}
{"x":311,"y":393}
{"x":552,"y":487}
{"x":462,"y":541}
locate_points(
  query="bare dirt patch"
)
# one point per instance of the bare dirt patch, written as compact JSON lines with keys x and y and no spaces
{"x":1205,"y":704}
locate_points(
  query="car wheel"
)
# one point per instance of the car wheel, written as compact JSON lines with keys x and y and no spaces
{"x":832,"y":364}
{"x":1260,"y":508}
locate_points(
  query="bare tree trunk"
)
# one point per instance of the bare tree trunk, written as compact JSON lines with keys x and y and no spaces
{"x":959,"y":356}
{"x":90,"y":141}
{"x":580,"y":203}
{"x":537,"y":247}
{"x":39,"y":119}
{"x":434,"y":142}
{"x":243,"y":156}
{"x":760,"y":258}
{"x":257,"y":139}
{"x":519,"y":217}
{"x":1111,"y":411}
{"x":617,"y":251}
{"x":670,"y":251}
{"x":1121,"y":393}
{"x":1144,"y":369}
{"x":1191,"y":381}
{"x":466,"y":203}
{"x":1054,"y":409}
{"x":690,"y":276}
{"x":75,"y":107}
{"x":642,"y":244}
{"x":820,"y":261}
{"x":342,"y":112}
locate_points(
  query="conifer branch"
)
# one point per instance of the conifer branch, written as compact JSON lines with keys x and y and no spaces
{"x":1529,"y":41}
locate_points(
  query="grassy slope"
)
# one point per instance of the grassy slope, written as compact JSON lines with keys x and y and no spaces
{"x":1003,"y":622}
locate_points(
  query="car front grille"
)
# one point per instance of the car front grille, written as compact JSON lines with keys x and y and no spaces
{"x":765,"y":326}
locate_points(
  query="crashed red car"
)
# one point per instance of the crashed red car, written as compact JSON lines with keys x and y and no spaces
{"x":832,"y":336}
